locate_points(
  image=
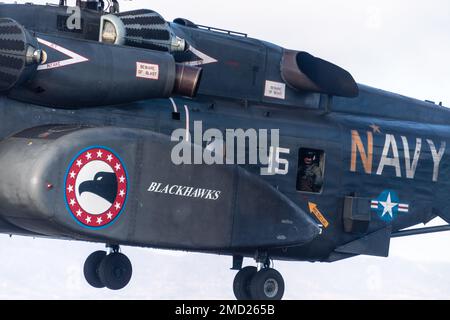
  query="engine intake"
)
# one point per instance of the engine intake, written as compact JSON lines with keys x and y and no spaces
{"x":19,"y":54}
{"x":140,"y":28}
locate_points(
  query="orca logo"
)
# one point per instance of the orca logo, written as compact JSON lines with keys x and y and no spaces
{"x":96,"y":187}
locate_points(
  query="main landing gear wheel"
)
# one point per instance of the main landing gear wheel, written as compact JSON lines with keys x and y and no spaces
{"x":112,"y":271}
{"x":267,"y":284}
{"x":91,"y":269}
{"x":115,"y":271}
{"x":241,"y":284}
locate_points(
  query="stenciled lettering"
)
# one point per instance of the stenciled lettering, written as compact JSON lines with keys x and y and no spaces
{"x":362,"y":150}
{"x":184,"y":191}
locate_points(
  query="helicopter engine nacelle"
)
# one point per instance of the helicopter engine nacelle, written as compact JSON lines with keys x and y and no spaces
{"x":305,"y":72}
{"x":73,"y":73}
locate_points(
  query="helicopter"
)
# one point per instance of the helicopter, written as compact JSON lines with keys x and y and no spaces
{"x":125,"y":129}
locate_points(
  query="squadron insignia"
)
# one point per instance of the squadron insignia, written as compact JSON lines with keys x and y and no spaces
{"x":96,"y":187}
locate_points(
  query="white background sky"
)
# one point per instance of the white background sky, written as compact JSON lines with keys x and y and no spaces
{"x":401,"y":46}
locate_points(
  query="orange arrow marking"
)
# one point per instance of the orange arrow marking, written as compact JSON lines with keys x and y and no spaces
{"x":315,"y":211}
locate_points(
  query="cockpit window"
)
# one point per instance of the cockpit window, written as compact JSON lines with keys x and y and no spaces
{"x":310,"y":173}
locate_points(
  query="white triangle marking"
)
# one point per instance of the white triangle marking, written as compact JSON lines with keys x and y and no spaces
{"x":205,"y":59}
{"x":74,"y":57}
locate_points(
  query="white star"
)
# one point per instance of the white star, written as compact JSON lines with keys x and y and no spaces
{"x":122,"y":193}
{"x":375,"y":128}
{"x":109,"y":214}
{"x":117,"y":206}
{"x":79,"y":212}
{"x":122,"y":179}
{"x":117,"y":166}
{"x":72,"y":202}
{"x":70,"y":188}
{"x":388,"y":206}
{"x":88,"y":219}
{"x":99,"y":154}
{"x":88,"y":156}
{"x":79,"y":163}
{"x":72,"y":174}
{"x":99,"y":220}
{"x":109,"y":158}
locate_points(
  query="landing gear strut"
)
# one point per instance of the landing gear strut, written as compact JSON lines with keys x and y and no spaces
{"x":262,"y":283}
{"x":111,"y":270}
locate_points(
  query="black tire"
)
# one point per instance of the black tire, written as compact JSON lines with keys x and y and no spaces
{"x":267,"y":284}
{"x":91,"y":269}
{"x":115,"y":271}
{"x":241,"y":283}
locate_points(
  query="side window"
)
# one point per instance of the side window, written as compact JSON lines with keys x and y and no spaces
{"x":311,"y":168}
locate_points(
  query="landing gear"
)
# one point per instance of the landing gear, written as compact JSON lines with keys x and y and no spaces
{"x":115,"y":271}
{"x":91,"y":269}
{"x":265,"y":284}
{"x":112,"y":271}
{"x":241,"y":284}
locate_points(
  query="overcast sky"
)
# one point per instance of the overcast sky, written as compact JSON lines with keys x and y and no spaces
{"x":400,"y":46}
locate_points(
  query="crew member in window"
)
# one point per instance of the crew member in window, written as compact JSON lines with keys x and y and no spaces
{"x":310,"y":177}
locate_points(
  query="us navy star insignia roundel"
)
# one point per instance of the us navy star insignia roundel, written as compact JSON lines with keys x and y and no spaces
{"x":96,"y":187}
{"x":388,"y":205}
